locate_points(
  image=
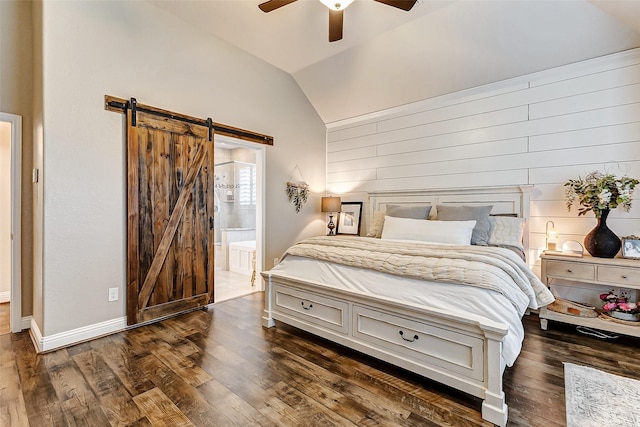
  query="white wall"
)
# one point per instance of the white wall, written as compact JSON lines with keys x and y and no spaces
{"x":5,"y":211}
{"x":540,"y":129}
{"x":134,"y":49}
{"x":461,"y":45}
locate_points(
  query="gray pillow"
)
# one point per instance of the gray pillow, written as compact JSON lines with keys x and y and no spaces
{"x":414,"y":212}
{"x":481,"y":231}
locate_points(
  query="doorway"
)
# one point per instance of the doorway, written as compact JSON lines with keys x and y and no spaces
{"x":10,"y":211}
{"x":238,"y":217}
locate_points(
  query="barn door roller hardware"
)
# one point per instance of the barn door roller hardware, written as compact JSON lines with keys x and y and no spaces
{"x":122,"y":105}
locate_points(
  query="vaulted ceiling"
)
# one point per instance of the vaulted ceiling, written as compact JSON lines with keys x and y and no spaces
{"x":389,"y":57}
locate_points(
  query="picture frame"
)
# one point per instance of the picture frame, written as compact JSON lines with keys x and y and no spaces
{"x":631,"y":247}
{"x":349,"y":218}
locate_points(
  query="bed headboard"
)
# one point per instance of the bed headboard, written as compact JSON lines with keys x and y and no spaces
{"x":513,"y":199}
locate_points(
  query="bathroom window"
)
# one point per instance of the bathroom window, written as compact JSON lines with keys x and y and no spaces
{"x":247,"y":186}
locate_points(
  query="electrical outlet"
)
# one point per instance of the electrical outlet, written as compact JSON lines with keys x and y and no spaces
{"x":113,"y":294}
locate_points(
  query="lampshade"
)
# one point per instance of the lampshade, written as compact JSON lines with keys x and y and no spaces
{"x":336,"y":4}
{"x":331,"y":204}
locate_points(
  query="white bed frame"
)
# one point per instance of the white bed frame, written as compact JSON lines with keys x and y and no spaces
{"x":461,"y":351}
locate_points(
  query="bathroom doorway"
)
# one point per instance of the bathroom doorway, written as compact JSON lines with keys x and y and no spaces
{"x":238,"y":217}
{"x":10,"y":215}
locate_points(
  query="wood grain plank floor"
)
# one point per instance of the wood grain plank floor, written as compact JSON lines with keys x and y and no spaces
{"x":221,"y":368}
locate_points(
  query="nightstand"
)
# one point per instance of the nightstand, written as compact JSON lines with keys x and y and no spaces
{"x":609,"y":272}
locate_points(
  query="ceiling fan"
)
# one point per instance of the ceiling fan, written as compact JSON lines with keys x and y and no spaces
{"x":336,"y":9}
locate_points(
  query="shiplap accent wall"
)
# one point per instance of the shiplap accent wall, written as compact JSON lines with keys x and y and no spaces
{"x":539,"y":129}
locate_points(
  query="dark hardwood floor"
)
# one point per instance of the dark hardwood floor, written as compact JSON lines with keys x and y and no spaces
{"x":220,"y":367}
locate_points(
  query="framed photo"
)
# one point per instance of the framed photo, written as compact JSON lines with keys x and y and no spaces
{"x":631,"y":247}
{"x":349,"y":218}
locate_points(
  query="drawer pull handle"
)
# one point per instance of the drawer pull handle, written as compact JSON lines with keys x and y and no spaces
{"x":309,"y":307}
{"x":569,"y":270}
{"x":415,"y":337}
{"x":624,"y":277}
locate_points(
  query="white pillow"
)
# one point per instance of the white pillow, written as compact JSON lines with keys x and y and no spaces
{"x":456,"y":232}
{"x":507,"y":231}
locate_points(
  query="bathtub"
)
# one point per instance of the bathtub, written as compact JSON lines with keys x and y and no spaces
{"x":242,"y":256}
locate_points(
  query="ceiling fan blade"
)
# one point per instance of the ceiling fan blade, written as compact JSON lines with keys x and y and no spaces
{"x":270,"y":5}
{"x":335,"y":25}
{"x":400,"y":4}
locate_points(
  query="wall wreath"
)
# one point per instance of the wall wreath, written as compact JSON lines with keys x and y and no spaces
{"x":297,"y":189}
{"x":298,"y":193}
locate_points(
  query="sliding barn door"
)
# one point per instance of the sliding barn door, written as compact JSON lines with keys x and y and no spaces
{"x":170,"y":217}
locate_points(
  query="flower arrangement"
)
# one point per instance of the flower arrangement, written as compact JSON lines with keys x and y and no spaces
{"x":598,"y":192}
{"x":613,"y":302}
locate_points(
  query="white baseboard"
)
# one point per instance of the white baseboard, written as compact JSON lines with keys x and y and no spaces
{"x":25,"y":323}
{"x":75,"y":336}
{"x":36,"y":336}
{"x":5,"y":296}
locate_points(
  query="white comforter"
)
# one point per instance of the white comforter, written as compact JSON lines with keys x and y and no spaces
{"x":484,"y":299}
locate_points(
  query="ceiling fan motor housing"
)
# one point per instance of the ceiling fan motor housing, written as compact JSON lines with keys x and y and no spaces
{"x":336,"y":9}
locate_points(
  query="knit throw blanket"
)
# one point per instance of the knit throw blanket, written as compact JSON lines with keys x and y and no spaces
{"x":485,"y":267}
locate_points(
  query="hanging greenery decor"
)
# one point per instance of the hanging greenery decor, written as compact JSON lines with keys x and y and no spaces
{"x":297,"y":192}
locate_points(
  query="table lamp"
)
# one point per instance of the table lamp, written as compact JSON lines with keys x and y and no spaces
{"x":331,"y":205}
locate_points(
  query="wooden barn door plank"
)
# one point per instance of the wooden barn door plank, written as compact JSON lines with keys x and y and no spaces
{"x":133,"y":225}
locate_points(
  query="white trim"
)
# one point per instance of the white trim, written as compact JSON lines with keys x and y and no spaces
{"x":75,"y":336}
{"x":15,"y":311}
{"x":5,"y":296}
{"x":25,"y":322}
{"x":261,"y":173}
{"x":620,"y":59}
{"x":36,"y":336}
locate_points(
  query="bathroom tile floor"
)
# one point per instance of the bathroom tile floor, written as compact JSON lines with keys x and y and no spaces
{"x":229,"y":284}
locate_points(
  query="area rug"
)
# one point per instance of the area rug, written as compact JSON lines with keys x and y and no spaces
{"x":596,"y":398}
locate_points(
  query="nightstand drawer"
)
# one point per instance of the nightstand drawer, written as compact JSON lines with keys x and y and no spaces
{"x":571,"y":270}
{"x":619,"y":275}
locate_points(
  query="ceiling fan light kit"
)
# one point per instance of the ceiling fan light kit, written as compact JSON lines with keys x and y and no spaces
{"x":336,"y":9}
{"x":336,"y":5}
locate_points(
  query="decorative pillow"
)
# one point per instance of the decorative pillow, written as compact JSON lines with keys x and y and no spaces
{"x":507,"y":231}
{"x":415,"y":212}
{"x":482,"y":229}
{"x":375,"y":228}
{"x":456,"y":232}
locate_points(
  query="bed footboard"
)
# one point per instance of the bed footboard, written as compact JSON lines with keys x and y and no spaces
{"x":462,"y":352}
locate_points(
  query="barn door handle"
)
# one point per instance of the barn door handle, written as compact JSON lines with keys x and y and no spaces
{"x":415,"y":337}
{"x":210,"y":223}
{"x":309,"y":307}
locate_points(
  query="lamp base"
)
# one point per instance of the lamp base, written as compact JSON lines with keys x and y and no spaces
{"x":331,"y":226}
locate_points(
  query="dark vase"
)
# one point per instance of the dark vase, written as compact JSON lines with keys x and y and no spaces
{"x":602,"y":242}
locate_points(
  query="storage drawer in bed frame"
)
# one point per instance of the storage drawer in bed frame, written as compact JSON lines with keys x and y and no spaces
{"x":420,"y":342}
{"x":312,"y":308}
